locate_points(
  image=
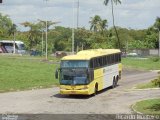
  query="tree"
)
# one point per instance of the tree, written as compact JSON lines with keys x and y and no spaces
{"x":44,"y":27}
{"x":80,"y":38}
{"x":5,"y":25}
{"x":104,"y":25}
{"x":157,"y":23}
{"x":62,"y":38}
{"x":42,"y":23}
{"x":157,"y":26}
{"x":33,"y":33}
{"x":12,"y":31}
{"x":113,"y":19}
{"x":97,"y":24}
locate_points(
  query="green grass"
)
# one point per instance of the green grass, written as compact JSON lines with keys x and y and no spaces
{"x":144,"y":64}
{"x":50,"y":58}
{"x":146,"y":85}
{"x":20,"y":73}
{"x":151,"y":106}
{"x":25,"y":72}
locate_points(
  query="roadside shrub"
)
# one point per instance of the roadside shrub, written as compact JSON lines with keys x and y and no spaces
{"x":155,"y":59}
{"x":156,"y":81}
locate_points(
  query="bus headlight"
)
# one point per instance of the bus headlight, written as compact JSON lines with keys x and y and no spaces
{"x":85,"y":87}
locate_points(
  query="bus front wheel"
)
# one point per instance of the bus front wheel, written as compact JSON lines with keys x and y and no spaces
{"x":96,"y":89}
{"x":114,"y":83}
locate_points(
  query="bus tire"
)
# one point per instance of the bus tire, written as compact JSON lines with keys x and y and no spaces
{"x":95,"y":89}
{"x":117,"y":78}
{"x":114,"y":83}
{"x":120,"y":74}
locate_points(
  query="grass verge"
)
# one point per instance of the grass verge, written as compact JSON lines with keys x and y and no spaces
{"x":151,"y":106}
{"x":146,"y":85}
{"x":144,"y":64}
{"x":17,"y":73}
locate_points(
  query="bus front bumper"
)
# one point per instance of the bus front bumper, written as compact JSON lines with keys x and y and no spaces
{"x":74,"y":92}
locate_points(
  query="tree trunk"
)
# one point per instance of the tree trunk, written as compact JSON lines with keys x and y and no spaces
{"x":119,"y":46}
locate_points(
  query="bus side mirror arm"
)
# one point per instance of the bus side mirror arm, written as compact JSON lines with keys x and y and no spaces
{"x":57,"y":73}
{"x":90,"y":73}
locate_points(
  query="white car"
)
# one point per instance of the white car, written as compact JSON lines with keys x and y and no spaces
{"x":132,"y":54}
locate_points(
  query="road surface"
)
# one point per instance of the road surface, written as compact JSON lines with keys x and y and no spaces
{"x":109,"y":101}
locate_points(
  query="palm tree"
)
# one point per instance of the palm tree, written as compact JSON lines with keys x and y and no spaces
{"x":33,"y":33}
{"x":45,"y":25}
{"x":157,"y":23}
{"x":95,"y":23}
{"x":112,"y":2}
{"x":157,"y":26}
{"x":12,"y":31}
{"x":104,"y":25}
{"x":5,"y":25}
{"x":98,"y":25}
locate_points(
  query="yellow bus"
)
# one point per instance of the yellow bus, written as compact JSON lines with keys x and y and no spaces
{"x":89,"y":71}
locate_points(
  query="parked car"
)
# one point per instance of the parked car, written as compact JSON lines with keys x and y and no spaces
{"x":132,"y":54}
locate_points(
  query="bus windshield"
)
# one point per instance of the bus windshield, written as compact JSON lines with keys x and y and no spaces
{"x":21,"y":46}
{"x":74,"y":64}
{"x":73,"y":76}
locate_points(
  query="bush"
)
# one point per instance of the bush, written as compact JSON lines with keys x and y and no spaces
{"x":156,"y":81}
{"x":155,"y":59}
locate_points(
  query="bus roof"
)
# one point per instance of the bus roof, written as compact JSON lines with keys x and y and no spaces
{"x":88,"y":54}
{"x":10,"y":41}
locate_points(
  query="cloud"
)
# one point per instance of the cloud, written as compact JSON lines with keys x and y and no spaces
{"x":137,"y":14}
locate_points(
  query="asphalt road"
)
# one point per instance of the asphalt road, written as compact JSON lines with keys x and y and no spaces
{"x":108,"y":101}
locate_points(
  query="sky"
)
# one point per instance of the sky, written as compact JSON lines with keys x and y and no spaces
{"x":131,"y":14}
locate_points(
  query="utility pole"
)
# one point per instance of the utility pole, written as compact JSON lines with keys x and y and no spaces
{"x":73,"y":30}
{"x":46,"y":41}
{"x":77,"y":14}
{"x":42,"y":42}
{"x":14,"y":44}
{"x":14,"y":37}
{"x":77,"y":21}
{"x":159,"y":41}
{"x":46,"y":36}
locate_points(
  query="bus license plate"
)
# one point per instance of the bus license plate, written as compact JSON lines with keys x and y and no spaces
{"x":73,"y":92}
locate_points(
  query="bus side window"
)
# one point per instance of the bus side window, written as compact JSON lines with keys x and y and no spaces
{"x":100,"y":60}
{"x":91,"y":63}
{"x":109,"y":59}
{"x":116,"y":58}
{"x":104,"y":61}
{"x":113,"y":59}
{"x":120,"y":57}
{"x":91,"y":74}
{"x":105,"y":58}
{"x":95,"y":63}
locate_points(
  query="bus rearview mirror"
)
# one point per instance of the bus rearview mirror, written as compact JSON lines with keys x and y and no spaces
{"x":56,"y":73}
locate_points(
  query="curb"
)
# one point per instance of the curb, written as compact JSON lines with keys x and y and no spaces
{"x":137,"y":112}
{"x":145,"y":89}
{"x":132,"y":107}
{"x":155,"y":71}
